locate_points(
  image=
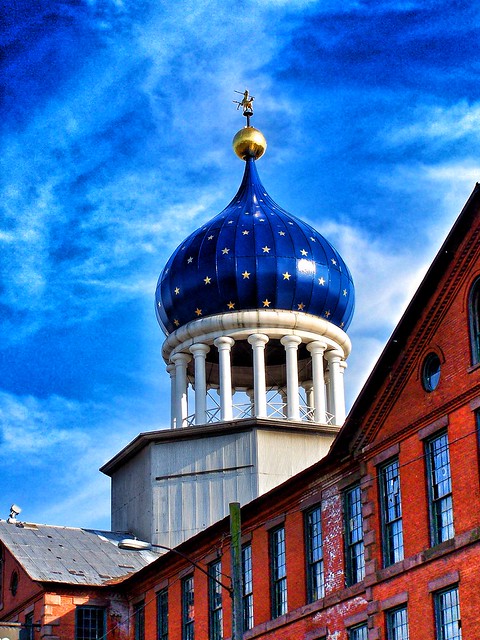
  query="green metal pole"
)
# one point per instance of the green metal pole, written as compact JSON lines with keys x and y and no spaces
{"x":236,"y":554}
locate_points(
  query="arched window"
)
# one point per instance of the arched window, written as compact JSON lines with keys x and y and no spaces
{"x":474,"y":318}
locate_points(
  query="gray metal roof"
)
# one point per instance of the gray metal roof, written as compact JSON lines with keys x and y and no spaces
{"x":72,"y":556}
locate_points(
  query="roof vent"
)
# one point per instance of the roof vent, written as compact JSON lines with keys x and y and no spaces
{"x":14,"y":511}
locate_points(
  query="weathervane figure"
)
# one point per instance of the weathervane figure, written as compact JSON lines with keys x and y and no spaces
{"x":246,"y":104}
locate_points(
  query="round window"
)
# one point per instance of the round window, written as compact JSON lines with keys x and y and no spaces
{"x":14,"y":583}
{"x":431,"y":372}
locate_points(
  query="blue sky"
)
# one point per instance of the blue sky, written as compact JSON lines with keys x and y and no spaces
{"x":115,"y":132}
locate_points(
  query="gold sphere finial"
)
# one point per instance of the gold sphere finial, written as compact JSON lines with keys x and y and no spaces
{"x":248,"y":142}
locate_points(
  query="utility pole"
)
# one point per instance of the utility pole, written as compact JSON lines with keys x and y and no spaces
{"x":236,"y":555}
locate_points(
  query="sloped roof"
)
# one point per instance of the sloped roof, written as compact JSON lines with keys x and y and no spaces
{"x":71,"y":556}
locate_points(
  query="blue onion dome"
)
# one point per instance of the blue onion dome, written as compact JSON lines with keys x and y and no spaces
{"x":254,"y":255}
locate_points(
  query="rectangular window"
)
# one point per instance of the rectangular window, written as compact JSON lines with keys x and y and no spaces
{"x":391,"y":513}
{"x":247,"y":595}
{"x":278,"y":572}
{"x":139,"y":620}
{"x":314,"y":548}
{"x":358,"y":633}
{"x":354,"y":551}
{"x":89,"y":623}
{"x":397,"y":624}
{"x":162,"y":615}
{"x":29,"y":628}
{"x":440,"y":489}
{"x":215,"y":601}
{"x":188,"y":610}
{"x":447,"y":615}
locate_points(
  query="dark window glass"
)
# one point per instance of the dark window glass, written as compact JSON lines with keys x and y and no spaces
{"x":188,"y":609}
{"x":215,"y":601}
{"x":278,"y":572}
{"x":431,"y":372}
{"x":474,"y":318}
{"x":447,"y":615}
{"x":397,"y":624}
{"x":354,"y":551}
{"x":391,"y":513}
{"x":89,"y":623}
{"x":315,"y":577}
{"x":358,"y":633}
{"x":247,"y":586}
{"x":162,"y":615}
{"x":139,"y":620}
{"x":29,"y":628}
{"x":440,"y":489}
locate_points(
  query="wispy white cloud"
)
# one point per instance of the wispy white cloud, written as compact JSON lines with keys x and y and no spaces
{"x":439,"y":124}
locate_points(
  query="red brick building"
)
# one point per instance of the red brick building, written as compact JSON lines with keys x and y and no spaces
{"x":380,"y":539}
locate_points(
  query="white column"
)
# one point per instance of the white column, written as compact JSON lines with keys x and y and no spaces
{"x":291,"y":348}
{"x":173,"y":394}
{"x":310,"y":398}
{"x":258,"y":342}
{"x":336,"y":365}
{"x":181,"y":398}
{"x":199,"y":352}
{"x":317,"y":349}
{"x":224,"y":345}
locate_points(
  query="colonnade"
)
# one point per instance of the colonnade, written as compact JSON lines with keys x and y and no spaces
{"x":324,"y":392}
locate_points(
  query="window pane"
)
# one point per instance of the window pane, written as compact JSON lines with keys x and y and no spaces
{"x":162,"y":615}
{"x":89,"y":623}
{"x":355,"y":561}
{"x":247,"y":587}
{"x":188,"y":609}
{"x":440,"y":489}
{"x":215,"y":601}
{"x":447,"y":615}
{"x":397,"y":624}
{"x":315,"y":575}
{"x":391,"y":513}
{"x":358,"y":633}
{"x":474,"y":317}
{"x":279,"y":576}
{"x":139,"y":616}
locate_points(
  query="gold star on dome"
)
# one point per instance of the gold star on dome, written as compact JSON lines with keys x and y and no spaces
{"x":281,"y":233}
{"x":198,"y":311}
{"x":327,"y":314}
{"x":342,"y":324}
{"x":190,"y":260}
{"x":266,"y":303}
{"x":225,"y":251}
{"x":286,"y":275}
{"x":344,"y":292}
{"x":230,"y":222}
{"x":231,"y":305}
{"x":176,"y":322}
{"x":321,"y":281}
{"x":301,"y":306}
{"x":246,"y":275}
{"x":207,"y":280}
{"x":177,"y":291}
{"x":245,"y":233}
{"x":266,"y":249}
{"x":334,"y":261}
{"x":303,"y":252}
{"x":159,"y":305}
{"x":210,"y":238}
{"x":312,"y":239}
